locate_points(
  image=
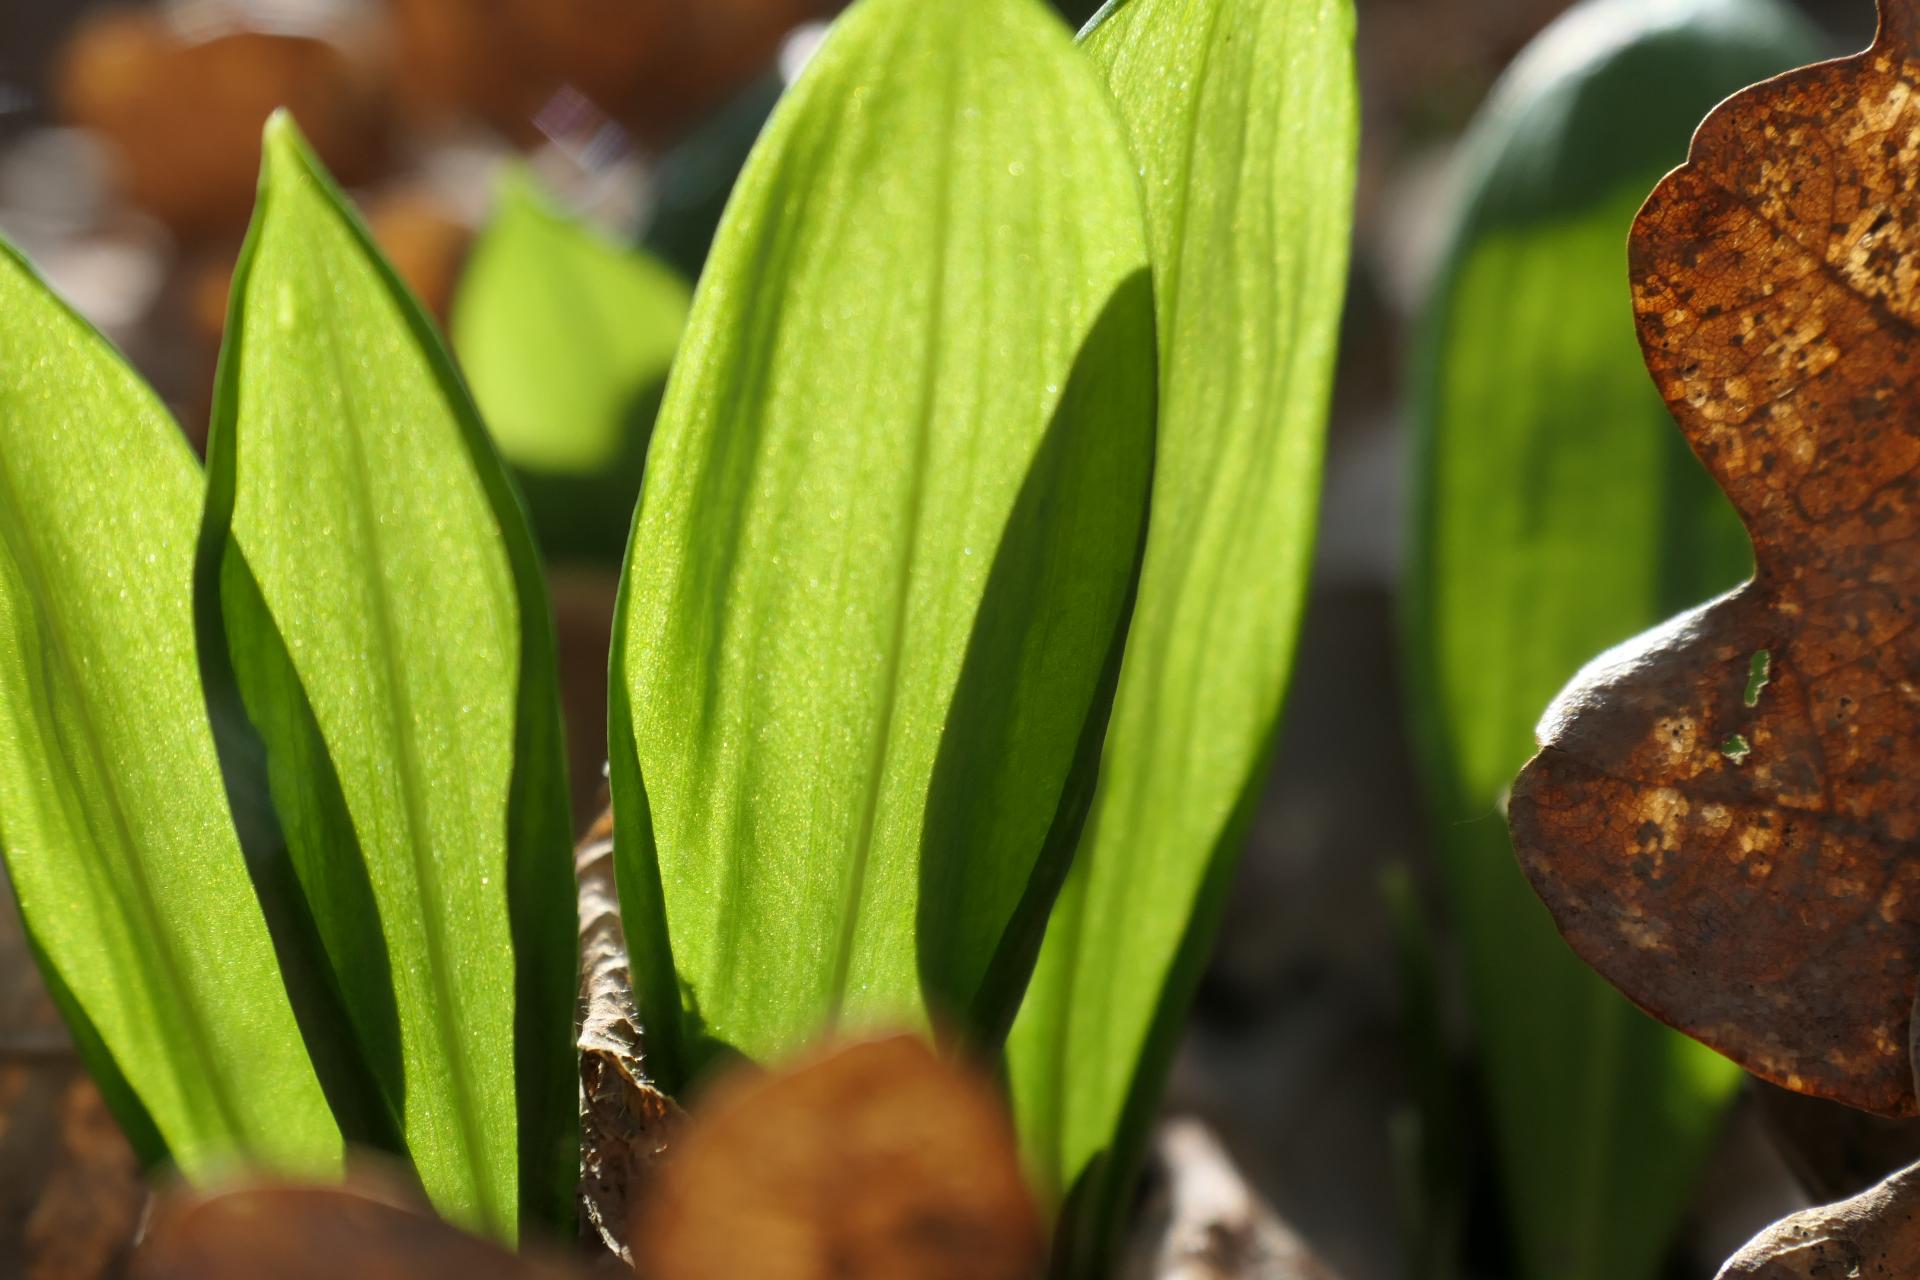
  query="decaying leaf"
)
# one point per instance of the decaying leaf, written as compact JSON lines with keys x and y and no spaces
{"x":1722,"y":814}
{"x":276,"y":1231}
{"x":1873,"y":1236}
{"x":180,"y":104}
{"x":625,"y":1123}
{"x":876,"y":1161}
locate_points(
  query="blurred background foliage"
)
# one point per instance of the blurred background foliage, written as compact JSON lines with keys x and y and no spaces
{"x":1421,"y":1080}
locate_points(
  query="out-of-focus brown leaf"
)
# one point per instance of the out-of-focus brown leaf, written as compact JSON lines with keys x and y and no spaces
{"x":1723,"y":813}
{"x":70,"y":1189}
{"x":1874,"y":1236}
{"x":876,"y":1162}
{"x":653,"y":65}
{"x":289,"y":1232}
{"x":184,"y":113}
{"x":626,"y":1124}
{"x":476,"y":57}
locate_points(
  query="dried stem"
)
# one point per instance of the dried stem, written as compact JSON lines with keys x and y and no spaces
{"x":625,"y":1122}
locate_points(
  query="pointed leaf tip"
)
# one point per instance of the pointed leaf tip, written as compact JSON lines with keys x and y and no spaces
{"x":404,"y":657}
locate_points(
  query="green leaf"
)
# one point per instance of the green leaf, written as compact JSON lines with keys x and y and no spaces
{"x":390,"y":640}
{"x":566,"y":338}
{"x":1242,"y":118}
{"x":117,"y":838}
{"x":889,"y":531}
{"x":1560,"y":512}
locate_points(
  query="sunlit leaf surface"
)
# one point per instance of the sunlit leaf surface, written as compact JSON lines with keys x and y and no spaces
{"x":1242,"y":119}
{"x":392,"y":639}
{"x":116,"y":832}
{"x":890,"y":525}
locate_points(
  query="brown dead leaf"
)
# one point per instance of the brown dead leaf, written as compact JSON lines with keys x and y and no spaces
{"x":875,"y":1162}
{"x":291,"y":1232}
{"x":1723,"y":813}
{"x":653,"y":65}
{"x":70,"y":1190}
{"x":1873,"y":1236}
{"x":626,"y":1124}
{"x":183,"y":110}
{"x":425,"y":242}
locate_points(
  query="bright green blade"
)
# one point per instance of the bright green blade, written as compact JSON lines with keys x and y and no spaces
{"x":117,"y":838}
{"x":1242,"y":118}
{"x":566,"y":339}
{"x":393,"y":641}
{"x":1560,"y":512}
{"x":889,"y":531}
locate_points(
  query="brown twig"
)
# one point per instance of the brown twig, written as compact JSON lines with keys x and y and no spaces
{"x":625,"y":1122}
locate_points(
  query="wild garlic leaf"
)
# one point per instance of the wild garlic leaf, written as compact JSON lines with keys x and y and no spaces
{"x":887,"y":538}
{"x":388,"y":627}
{"x":117,"y":838}
{"x":1242,"y":119}
{"x":566,"y":338}
{"x":1559,"y":511}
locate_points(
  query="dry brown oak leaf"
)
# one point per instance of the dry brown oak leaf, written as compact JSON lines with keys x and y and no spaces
{"x":1724,"y":813}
